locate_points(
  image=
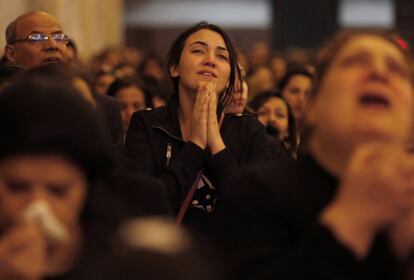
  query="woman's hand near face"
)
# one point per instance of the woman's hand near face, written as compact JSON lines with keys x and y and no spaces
{"x":198,"y":134}
{"x":376,"y":190}
{"x":22,"y":253}
{"x":214,"y":140}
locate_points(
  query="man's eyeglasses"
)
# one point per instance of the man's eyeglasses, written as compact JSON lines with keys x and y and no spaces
{"x":59,"y":38}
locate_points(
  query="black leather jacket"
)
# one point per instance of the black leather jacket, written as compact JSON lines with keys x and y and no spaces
{"x":154,"y":146}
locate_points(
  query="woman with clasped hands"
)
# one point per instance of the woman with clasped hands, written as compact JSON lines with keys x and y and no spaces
{"x":191,"y":144}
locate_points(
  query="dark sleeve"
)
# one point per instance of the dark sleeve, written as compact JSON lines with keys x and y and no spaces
{"x":221,"y":166}
{"x":260,"y":241}
{"x":140,"y":157}
{"x":258,"y":148}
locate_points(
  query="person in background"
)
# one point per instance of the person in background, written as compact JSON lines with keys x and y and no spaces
{"x":48,"y":163}
{"x":276,"y":115}
{"x":130,"y":96}
{"x":295,"y":87}
{"x":239,"y":96}
{"x":102,"y":82}
{"x":35,"y":38}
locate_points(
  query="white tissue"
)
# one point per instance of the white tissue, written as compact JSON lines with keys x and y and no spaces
{"x":39,"y":213}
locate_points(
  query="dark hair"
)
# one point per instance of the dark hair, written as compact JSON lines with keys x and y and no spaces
{"x":59,"y":71}
{"x":147,"y":58}
{"x":46,"y":116}
{"x":174,"y":55}
{"x":120,"y":83}
{"x":291,"y":73}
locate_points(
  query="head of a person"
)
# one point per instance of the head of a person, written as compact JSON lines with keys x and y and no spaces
{"x":295,"y":86}
{"x":53,"y":152}
{"x":79,"y":77}
{"x":103,"y":80}
{"x":278,"y":65}
{"x":131,"y":97}
{"x":151,"y":66}
{"x":363,"y":91}
{"x":203,"y":53}
{"x":35,"y":38}
{"x":273,"y":110}
{"x":239,"y":96}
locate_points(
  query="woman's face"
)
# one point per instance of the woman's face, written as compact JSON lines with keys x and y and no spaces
{"x":275,"y":112}
{"x":205,"y":58}
{"x":366,"y":94}
{"x":239,"y":98}
{"x":296,"y":93}
{"x":52,"y":191}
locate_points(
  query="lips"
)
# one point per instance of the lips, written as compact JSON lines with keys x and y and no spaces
{"x":207,"y":73}
{"x":374,"y":99}
{"x":52,"y":59}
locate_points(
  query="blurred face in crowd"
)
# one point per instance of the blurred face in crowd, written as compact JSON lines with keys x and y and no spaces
{"x":103,"y":82}
{"x":275,"y":112}
{"x":29,"y":54}
{"x":239,"y":99}
{"x":154,"y":69}
{"x":366,"y":94}
{"x":205,"y":58}
{"x":278,"y":66}
{"x":52,"y":180}
{"x":130,"y":99}
{"x":296,"y":93}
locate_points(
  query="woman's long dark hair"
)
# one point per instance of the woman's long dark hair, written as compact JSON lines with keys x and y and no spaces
{"x":174,"y":55}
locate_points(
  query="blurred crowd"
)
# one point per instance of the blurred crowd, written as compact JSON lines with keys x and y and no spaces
{"x":208,"y":162}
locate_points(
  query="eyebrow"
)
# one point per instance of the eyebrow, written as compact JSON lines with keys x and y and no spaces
{"x":206,"y":45}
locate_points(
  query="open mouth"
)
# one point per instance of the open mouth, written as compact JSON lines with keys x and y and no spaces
{"x":372,"y":99}
{"x":52,"y":59}
{"x":207,"y":74}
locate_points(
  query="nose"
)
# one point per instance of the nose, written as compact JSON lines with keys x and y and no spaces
{"x":272,"y":120}
{"x":378,"y":71}
{"x":51,"y":44}
{"x":210,"y":59}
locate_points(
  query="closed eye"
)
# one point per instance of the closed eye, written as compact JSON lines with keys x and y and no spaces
{"x":397,"y":68}
{"x":197,"y":51}
{"x":224,"y":57}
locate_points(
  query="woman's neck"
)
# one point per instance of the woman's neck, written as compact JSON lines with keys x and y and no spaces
{"x":185,"y":111}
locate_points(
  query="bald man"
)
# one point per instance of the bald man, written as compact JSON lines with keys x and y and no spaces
{"x":35,"y":38}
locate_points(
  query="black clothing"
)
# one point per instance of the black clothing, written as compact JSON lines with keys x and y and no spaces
{"x":266,"y":223}
{"x":119,"y":197}
{"x":110,"y":116}
{"x":154,"y":146}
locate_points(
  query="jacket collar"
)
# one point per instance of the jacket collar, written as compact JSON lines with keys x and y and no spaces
{"x":167,"y":119}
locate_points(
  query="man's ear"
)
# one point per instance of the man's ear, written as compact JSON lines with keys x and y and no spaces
{"x":174,"y":71}
{"x":9,"y":52}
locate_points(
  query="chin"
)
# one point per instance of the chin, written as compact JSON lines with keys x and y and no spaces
{"x":377,"y":134}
